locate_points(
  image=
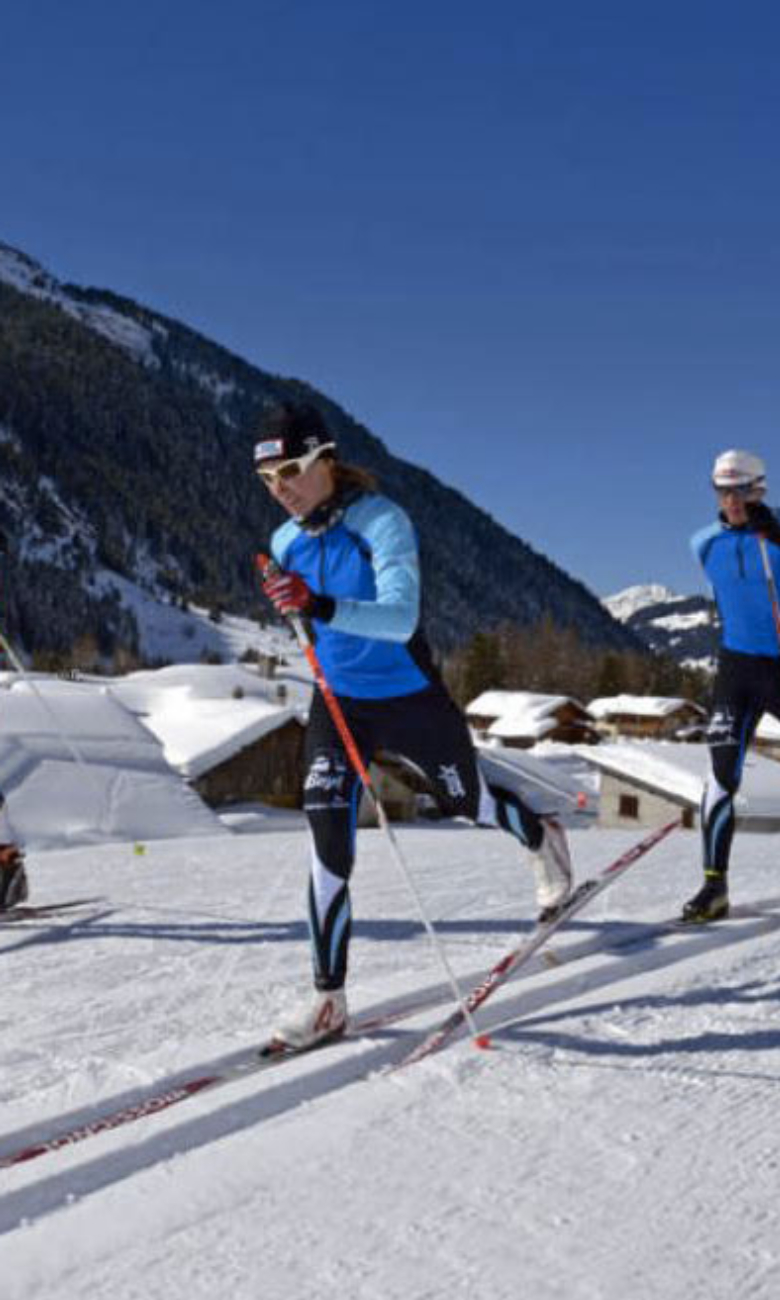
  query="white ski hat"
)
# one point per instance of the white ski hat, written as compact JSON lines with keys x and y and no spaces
{"x":739,"y":469}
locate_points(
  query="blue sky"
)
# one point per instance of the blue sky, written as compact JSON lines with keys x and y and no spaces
{"x":535,"y":247}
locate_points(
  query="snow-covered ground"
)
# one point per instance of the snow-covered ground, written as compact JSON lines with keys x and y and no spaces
{"x":105,"y":758}
{"x":172,"y":635}
{"x":619,"y":1140}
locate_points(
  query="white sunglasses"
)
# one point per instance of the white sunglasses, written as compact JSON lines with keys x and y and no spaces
{"x":294,"y":467}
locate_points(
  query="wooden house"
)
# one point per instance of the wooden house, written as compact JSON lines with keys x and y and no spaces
{"x":268,"y":769}
{"x":518,"y":719}
{"x":648,"y":717}
{"x":647,"y":783}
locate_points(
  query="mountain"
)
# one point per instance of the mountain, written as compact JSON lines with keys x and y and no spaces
{"x":126,"y":452}
{"x":684,"y":627}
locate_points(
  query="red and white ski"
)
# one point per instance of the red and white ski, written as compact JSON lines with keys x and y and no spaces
{"x":523,"y":953}
{"x":101,"y":1119}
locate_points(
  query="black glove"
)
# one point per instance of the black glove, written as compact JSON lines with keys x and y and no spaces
{"x":763,"y":520}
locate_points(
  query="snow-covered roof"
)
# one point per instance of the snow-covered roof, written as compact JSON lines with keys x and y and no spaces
{"x":492,"y":703}
{"x":48,"y":717}
{"x":558,"y":783}
{"x":643,"y":706}
{"x":203,"y":714}
{"x":77,"y":766}
{"x":198,"y":734}
{"x":517,"y":704}
{"x":141,"y":691}
{"x":533,"y":716}
{"x":519,"y":713}
{"x":679,"y":771}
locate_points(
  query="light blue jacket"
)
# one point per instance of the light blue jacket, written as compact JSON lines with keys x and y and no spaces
{"x":368,"y":562}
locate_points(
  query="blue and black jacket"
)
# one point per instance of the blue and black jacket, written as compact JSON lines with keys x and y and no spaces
{"x":366,"y":560}
{"x":731,"y":558}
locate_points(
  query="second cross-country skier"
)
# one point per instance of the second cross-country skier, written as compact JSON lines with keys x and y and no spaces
{"x":747,"y":684}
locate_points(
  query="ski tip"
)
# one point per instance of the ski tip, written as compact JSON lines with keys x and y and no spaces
{"x":483,"y":1042}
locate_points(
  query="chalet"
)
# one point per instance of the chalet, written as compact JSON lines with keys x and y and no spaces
{"x":77,"y":766}
{"x":232,"y":734}
{"x":648,"y":783}
{"x":648,"y":717}
{"x":518,"y":719}
{"x":263,"y":765}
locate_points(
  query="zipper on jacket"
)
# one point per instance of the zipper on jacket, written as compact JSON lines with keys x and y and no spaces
{"x":741,"y":555}
{"x":321,"y":540}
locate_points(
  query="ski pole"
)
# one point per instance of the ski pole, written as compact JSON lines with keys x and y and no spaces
{"x":771,"y":585}
{"x":266,"y":567}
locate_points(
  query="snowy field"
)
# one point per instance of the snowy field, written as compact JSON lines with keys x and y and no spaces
{"x":620,"y":1140}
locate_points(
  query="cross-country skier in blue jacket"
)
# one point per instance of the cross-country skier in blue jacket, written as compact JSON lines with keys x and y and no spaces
{"x":348,"y":562}
{"x":747,"y":682}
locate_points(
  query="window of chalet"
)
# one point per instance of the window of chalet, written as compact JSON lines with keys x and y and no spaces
{"x":628,"y":806}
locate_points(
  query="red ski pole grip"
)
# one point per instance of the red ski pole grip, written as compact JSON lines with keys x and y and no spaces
{"x":265,"y":565}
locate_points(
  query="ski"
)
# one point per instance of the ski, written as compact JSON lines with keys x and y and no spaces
{"x":101,"y":1117}
{"x":241,"y":1065}
{"x":519,"y":956}
{"x":269,"y":1056}
{"x":256,"y":1061}
{"x":40,"y":911}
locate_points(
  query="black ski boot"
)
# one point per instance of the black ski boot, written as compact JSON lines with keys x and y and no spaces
{"x":710,"y":904}
{"x":13,"y":878}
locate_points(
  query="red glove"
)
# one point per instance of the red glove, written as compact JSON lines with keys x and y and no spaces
{"x":291,"y":594}
{"x":288,"y":592}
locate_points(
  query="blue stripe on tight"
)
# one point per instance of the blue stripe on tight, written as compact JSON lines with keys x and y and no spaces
{"x":345,"y":911}
{"x":339,"y":926}
{"x":746,"y":727}
{"x":715,"y":829}
{"x":513,"y":817}
{"x":314,"y":946}
{"x":357,"y":790}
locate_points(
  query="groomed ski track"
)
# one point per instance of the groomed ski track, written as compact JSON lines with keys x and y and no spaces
{"x":622,"y":995}
{"x":614,"y":954}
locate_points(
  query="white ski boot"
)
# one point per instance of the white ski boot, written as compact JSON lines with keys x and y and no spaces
{"x":319,"y":1021}
{"x":552,"y":868}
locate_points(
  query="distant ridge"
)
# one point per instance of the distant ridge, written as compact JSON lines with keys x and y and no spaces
{"x":684,"y":627}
